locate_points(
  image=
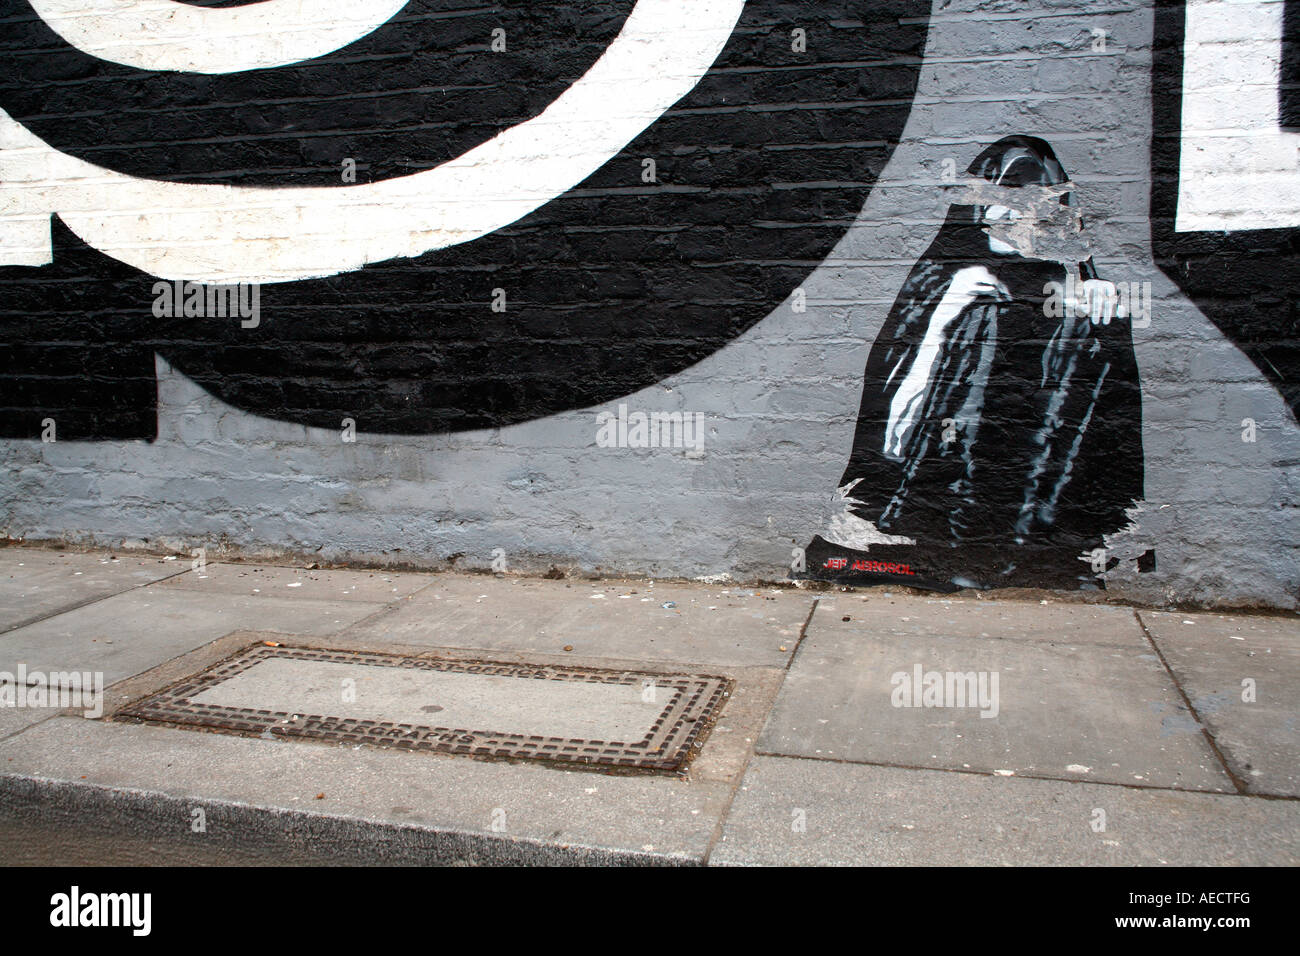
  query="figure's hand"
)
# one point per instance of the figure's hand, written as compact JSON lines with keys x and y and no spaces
{"x":1097,"y":299}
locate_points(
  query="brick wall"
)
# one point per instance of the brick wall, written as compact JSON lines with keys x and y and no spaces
{"x":468,"y":248}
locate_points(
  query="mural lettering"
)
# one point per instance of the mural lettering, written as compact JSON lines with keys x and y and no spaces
{"x":467,"y":180}
{"x":1225,"y":199}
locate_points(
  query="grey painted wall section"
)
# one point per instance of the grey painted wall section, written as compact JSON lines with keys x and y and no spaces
{"x":780,"y":402}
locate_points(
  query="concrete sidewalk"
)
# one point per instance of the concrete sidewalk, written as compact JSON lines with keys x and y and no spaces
{"x":1092,"y":734}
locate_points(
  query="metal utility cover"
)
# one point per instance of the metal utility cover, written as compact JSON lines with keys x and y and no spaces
{"x":478,"y":708}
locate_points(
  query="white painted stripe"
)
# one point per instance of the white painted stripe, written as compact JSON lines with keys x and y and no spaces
{"x":165,"y":35}
{"x":1238,"y":168}
{"x":226,"y":234}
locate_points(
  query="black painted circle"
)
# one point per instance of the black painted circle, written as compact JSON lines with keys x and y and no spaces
{"x":610,"y":288}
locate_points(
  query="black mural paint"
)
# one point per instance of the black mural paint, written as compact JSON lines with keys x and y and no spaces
{"x":1288,"y":94}
{"x":1247,"y":283}
{"x":1000,"y":433}
{"x":421,"y":89}
{"x":73,"y":350}
{"x":611,"y":287}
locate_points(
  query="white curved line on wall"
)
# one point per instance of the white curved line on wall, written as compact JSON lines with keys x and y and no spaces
{"x":227,"y":234}
{"x":165,"y":35}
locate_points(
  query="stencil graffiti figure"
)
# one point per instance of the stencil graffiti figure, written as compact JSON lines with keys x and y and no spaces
{"x":998,"y":440}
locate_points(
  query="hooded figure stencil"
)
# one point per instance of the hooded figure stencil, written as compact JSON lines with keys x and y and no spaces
{"x":1000,"y":432}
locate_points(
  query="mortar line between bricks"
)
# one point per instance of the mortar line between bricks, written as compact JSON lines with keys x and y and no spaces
{"x":718,"y":827}
{"x":1284,"y":798}
{"x":78,"y":605}
{"x":1191,"y":708}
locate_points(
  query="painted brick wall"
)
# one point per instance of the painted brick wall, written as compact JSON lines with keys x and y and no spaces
{"x":469,"y":248}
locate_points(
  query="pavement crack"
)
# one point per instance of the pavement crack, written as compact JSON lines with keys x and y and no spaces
{"x":803,"y":632}
{"x":716,"y":836}
{"x":1237,"y":781}
{"x":78,"y":605}
{"x":1072,"y":781}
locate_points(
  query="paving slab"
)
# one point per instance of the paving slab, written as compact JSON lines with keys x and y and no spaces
{"x":892,"y":613}
{"x":688,"y":624}
{"x":35,"y":582}
{"x":1212,"y":655}
{"x":792,"y":811}
{"x":1096,"y":710}
{"x":375,"y":587}
{"x":546,"y":812}
{"x":132,"y":632}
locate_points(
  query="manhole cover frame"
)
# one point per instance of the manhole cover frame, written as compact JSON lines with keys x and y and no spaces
{"x":694,"y":706}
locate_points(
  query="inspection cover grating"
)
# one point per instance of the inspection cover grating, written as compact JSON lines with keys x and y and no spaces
{"x":576,"y":715}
